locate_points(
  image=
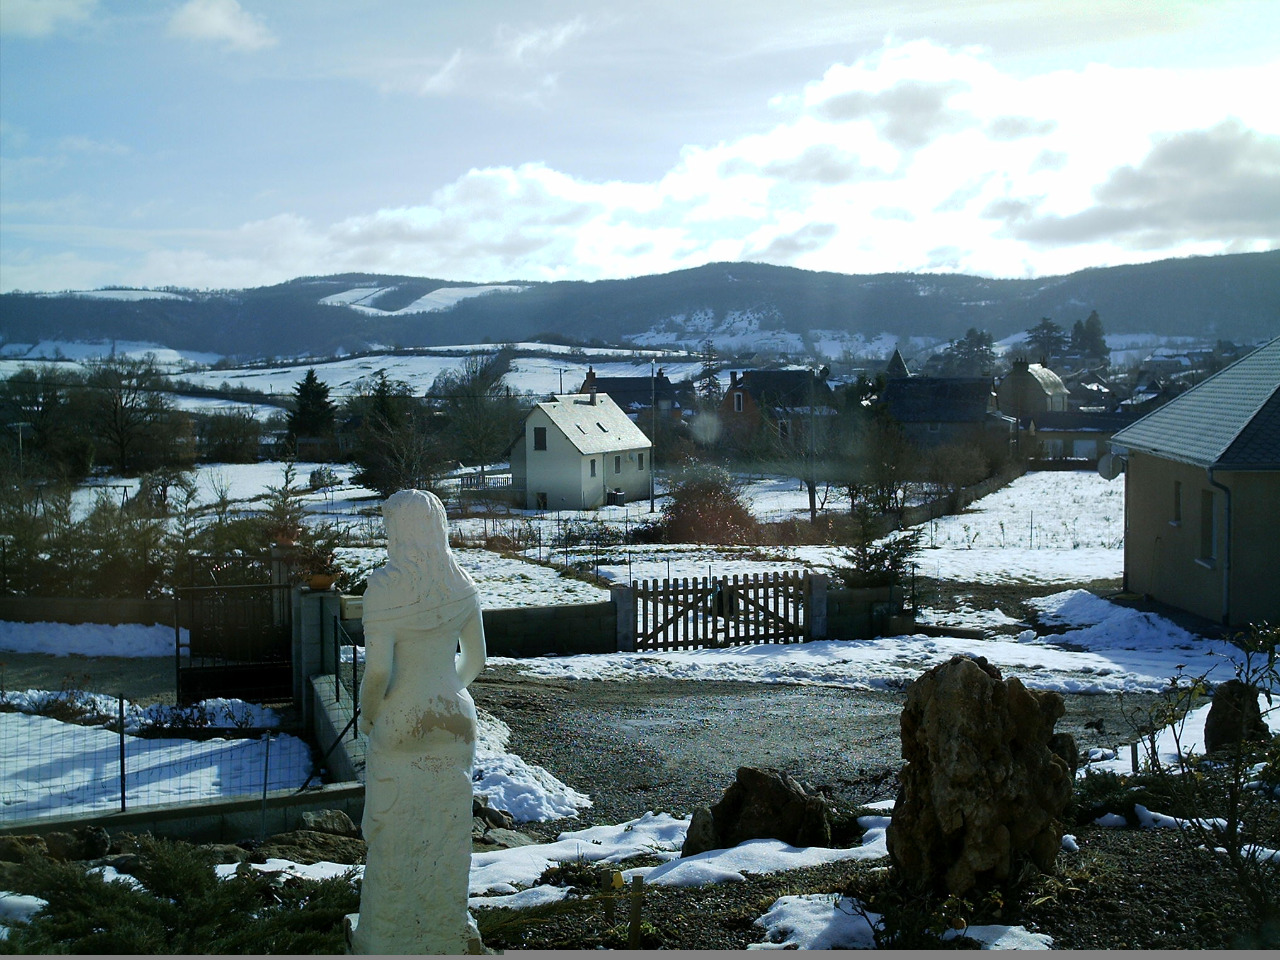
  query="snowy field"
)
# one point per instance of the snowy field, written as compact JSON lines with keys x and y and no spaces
{"x":540,"y":376}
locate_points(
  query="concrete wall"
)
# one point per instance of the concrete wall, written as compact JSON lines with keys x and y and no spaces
{"x":862,"y":613}
{"x":1164,"y":545}
{"x":79,"y":610}
{"x":541,"y":631}
{"x":213,"y":821}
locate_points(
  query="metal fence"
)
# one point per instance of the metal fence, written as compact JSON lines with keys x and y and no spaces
{"x":75,"y":758}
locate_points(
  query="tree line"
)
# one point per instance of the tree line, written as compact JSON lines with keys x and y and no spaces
{"x":60,"y":423}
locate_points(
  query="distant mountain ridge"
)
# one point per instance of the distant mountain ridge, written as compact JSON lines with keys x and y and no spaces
{"x":1232,"y":297}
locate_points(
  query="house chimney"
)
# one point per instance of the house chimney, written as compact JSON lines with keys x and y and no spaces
{"x":733,"y":378}
{"x":593,"y":392}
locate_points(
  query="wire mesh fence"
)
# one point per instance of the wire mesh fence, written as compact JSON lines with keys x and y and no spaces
{"x":69,"y":756}
{"x":348,"y":655}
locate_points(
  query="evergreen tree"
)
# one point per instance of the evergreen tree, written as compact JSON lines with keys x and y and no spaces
{"x":1088,"y":339}
{"x":973,"y":355}
{"x":1046,"y":340}
{"x":313,"y":412}
{"x":708,"y":384}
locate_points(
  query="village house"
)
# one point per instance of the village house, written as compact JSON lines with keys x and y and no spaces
{"x":579,"y":451}
{"x":638,"y":395}
{"x":1029,"y":389}
{"x":933,"y":411}
{"x":1202,"y":495}
{"x":784,"y":401}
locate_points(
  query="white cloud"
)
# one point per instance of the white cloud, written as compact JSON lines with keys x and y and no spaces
{"x":40,"y":18}
{"x":915,"y":157}
{"x":224,"y":21}
{"x":538,"y":42}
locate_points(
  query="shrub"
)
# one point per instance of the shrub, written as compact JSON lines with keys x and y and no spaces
{"x":706,"y":506}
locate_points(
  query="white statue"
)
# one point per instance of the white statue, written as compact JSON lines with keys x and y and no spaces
{"x":421,"y":724}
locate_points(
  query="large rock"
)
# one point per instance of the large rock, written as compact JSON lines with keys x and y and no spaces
{"x":330,"y":821}
{"x":310,"y":846}
{"x":983,"y":788}
{"x":760,"y":804}
{"x":1234,"y":716}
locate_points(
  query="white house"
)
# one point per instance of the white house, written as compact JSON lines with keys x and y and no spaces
{"x":579,"y":451}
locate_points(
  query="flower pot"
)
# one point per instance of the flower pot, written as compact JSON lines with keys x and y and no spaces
{"x":321,"y":581}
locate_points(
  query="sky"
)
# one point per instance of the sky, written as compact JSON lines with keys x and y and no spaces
{"x":234,"y":143}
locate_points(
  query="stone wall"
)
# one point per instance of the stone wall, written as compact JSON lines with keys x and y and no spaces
{"x":540,"y":631}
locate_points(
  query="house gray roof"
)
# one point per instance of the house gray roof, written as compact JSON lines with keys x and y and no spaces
{"x":600,"y":427}
{"x":1230,"y":421}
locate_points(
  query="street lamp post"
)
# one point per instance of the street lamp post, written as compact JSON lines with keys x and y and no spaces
{"x":653,"y":432}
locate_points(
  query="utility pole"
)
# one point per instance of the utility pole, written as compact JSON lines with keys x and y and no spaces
{"x":653,"y":431}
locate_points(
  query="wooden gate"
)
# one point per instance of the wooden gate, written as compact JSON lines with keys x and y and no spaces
{"x":687,"y":614}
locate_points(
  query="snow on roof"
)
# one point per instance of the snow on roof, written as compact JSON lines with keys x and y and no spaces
{"x":594,"y":427}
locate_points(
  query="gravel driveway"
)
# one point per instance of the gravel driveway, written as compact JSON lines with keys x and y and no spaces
{"x":670,"y":745}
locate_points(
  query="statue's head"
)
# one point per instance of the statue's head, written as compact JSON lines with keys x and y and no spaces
{"x":417,"y":528}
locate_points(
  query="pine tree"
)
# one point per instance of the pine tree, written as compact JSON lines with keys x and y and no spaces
{"x":313,"y":412}
{"x":1046,"y":339}
{"x":1088,"y":339}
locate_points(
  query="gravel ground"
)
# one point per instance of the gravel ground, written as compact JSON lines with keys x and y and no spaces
{"x":671,"y":745}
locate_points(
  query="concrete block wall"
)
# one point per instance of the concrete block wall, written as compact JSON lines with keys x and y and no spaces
{"x":542,"y":631}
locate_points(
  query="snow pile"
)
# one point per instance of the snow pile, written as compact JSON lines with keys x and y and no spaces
{"x":1100,"y":625}
{"x":89,"y":639}
{"x":526,"y":791}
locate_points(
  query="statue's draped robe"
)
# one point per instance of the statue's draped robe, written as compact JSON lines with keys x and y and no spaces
{"x":417,"y":813}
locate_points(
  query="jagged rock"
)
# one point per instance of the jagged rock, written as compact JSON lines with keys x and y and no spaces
{"x":18,"y":847}
{"x":221,"y":852}
{"x":62,"y":846}
{"x":310,"y":846}
{"x":762,"y":804}
{"x":505,"y":839}
{"x":982,"y":790}
{"x":491,"y":815}
{"x":701,"y":834}
{"x":120,"y":862}
{"x":1063,"y":745}
{"x":1234,"y":716}
{"x":330,"y":821}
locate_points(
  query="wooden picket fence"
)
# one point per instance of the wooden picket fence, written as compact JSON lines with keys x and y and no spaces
{"x":692,"y":613}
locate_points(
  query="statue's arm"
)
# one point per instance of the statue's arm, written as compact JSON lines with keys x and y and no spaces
{"x":471,"y":644}
{"x":378,"y":647}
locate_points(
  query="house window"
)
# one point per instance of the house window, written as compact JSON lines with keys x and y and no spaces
{"x":539,"y":438}
{"x":1208,"y":526}
{"x":784,"y":429}
{"x":640,"y":461}
{"x":737,"y":401}
{"x":1177,"y":502}
{"x":617,"y":464}
{"x":593,"y":466}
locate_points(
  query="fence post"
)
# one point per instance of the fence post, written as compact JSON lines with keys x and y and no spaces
{"x":120,"y":710}
{"x":816,"y":600}
{"x":624,"y":599}
{"x":266,"y":779}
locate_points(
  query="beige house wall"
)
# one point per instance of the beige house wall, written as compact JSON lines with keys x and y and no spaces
{"x":1176,"y":552}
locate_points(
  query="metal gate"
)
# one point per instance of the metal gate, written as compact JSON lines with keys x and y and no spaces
{"x":240,"y":643}
{"x":687,"y":614}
